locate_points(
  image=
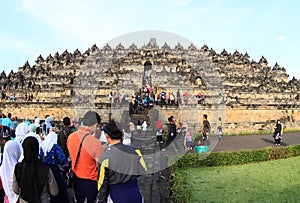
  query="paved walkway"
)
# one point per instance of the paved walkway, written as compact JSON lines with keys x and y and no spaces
{"x":233,"y":143}
{"x":154,"y":185}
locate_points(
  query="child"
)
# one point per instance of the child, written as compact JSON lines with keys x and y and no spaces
{"x":144,"y":127}
{"x":159,"y":132}
{"x":188,"y":141}
{"x":219,"y":129}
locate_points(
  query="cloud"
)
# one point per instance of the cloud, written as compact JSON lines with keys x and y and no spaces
{"x":91,"y":21}
{"x":281,"y":37}
{"x":14,"y":52}
{"x":86,"y":21}
{"x":11,"y":43}
{"x":179,"y":2}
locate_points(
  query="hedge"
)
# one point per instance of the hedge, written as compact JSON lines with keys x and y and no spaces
{"x":181,"y":193}
{"x":238,"y":157}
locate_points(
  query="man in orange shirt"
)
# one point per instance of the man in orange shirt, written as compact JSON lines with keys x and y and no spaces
{"x":86,"y":168}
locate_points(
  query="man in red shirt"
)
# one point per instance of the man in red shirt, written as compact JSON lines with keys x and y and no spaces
{"x":86,"y":169}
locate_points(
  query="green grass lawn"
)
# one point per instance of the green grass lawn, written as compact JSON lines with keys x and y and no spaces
{"x":272,"y":181}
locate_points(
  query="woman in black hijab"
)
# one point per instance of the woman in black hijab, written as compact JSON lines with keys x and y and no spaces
{"x":33,"y":179}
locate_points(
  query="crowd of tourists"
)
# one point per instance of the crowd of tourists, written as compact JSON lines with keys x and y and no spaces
{"x":146,"y":98}
{"x":40,"y":160}
{"x":27,"y":98}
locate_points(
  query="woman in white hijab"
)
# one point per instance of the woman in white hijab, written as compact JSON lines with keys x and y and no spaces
{"x":21,"y":131}
{"x":49,"y":142}
{"x":11,"y":154}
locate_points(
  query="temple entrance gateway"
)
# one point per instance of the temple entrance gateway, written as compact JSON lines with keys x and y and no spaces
{"x":147,"y":73}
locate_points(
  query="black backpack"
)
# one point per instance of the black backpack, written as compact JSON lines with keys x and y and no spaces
{"x":278,"y":128}
{"x":63,"y":137}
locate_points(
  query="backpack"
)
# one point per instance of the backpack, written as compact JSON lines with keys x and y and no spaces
{"x":63,"y":137}
{"x":278,"y":128}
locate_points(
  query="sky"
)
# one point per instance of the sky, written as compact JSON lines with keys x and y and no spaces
{"x":268,"y":28}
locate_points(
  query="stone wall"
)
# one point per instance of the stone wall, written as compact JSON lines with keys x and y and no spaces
{"x":238,"y":119}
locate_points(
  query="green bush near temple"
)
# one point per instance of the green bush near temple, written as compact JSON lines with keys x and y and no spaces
{"x":259,"y":175}
{"x":238,"y":157}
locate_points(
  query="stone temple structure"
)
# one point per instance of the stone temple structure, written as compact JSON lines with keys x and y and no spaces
{"x":248,"y":95}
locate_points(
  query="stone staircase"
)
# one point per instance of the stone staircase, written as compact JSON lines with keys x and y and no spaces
{"x":141,"y":117}
{"x":155,"y":183}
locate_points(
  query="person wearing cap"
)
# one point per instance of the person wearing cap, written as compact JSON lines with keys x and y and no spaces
{"x":86,"y":169}
{"x":119,"y":168}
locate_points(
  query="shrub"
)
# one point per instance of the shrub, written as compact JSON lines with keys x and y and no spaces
{"x":165,"y":136}
{"x":180,"y":192}
{"x":238,"y":157}
{"x":179,"y":188}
